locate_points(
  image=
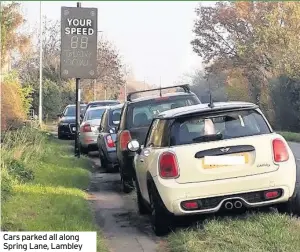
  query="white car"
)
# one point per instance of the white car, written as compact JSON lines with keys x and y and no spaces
{"x":211,"y":157}
{"x":89,"y":129}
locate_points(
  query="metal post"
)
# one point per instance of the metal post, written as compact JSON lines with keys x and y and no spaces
{"x":41,"y":68}
{"x":77,"y":145}
{"x":125,"y":86}
{"x":94,"y":87}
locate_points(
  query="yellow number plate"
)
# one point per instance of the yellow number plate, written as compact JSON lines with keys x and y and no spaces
{"x":211,"y":166}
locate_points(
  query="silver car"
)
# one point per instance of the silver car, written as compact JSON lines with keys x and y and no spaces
{"x":89,"y":129}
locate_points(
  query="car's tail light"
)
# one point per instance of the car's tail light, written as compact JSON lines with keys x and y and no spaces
{"x":272,"y":194}
{"x":189,"y":205}
{"x":280,"y":150}
{"x":125,"y":138}
{"x":86,"y":128}
{"x":110,"y":142}
{"x":168,"y":167}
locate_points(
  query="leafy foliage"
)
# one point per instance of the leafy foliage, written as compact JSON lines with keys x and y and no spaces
{"x":15,"y":102}
{"x":11,"y":21}
{"x":252,"y":43}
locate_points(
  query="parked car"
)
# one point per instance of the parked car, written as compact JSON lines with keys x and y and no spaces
{"x":93,"y":104}
{"x":89,"y":129}
{"x":136,"y":118}
{"x":107,"y":137}
{"x":67,"y":121}
{"x":212,"y":158}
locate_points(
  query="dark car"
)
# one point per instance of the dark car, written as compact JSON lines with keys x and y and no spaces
{"x":101,"y":104}
{"x":67,"y":121}
{"x":107,"y":137}
{"x":136,"y":117}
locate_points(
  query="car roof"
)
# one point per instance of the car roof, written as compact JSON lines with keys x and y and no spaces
{"x":145,"y":98}
{"x":73,"y":105}
{"x":111,"y":107}
{"x":204,"y":107}
{"x":93,"y":102}
{"x":96,"y":108}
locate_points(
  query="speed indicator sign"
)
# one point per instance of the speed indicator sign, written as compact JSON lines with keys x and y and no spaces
{"x":79,"y":42}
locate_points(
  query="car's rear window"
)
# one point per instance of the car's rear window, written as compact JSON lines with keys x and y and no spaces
{"x":197,"y":129}
{"x":142,"y":114}
{"x":94,"y":114}
{"x":114,"y":117}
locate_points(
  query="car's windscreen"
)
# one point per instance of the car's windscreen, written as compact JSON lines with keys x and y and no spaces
{"x":143,"y":114}
{"x":197,"y":129}
{"x":71,"y":111}
{"x":82,"y":109}
{"x":94,"y":114}
{"x":114,"y":117}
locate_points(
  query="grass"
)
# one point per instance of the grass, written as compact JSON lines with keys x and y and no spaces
{"x":290,"y":136}
{"x":256,"y":233}
{"x":54,"y":200}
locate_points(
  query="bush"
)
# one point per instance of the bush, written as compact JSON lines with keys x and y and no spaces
{"x":13,"y":93}
{"x":19,"y":147}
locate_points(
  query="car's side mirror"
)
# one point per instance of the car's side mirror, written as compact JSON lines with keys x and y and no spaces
{"x":59,"y":115}
{"x":133,"y":146}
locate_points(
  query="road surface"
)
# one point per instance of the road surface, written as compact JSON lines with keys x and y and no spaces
{"x":116,"y":213}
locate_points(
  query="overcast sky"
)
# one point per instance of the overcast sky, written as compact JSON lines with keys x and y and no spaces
{"x":153,"y":38}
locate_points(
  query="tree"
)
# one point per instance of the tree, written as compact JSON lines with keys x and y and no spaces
{"x":57,"y":92}
{"x":211,"y":84}
{"x":11,"y":39}
{"x":110,"y":75}
{"x":257,"y":41}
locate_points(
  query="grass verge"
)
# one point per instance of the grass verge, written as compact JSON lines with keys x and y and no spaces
{"x":54,"y":200}
{"x":257,"y":232}
{"x":290,"y":136}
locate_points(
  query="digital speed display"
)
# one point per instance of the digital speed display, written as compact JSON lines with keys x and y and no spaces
{"x":79,"y":42}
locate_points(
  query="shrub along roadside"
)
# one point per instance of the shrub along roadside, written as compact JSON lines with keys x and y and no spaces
{"x":257,"y":232}
{"x":52,"y":199}
{"x":290,"y":136}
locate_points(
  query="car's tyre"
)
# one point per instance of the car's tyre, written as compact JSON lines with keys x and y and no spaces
{"x":84,"y":150}
{"x":140,"y":201}
{"x":161,"y":220}
{"x":102,"y":159}
{"x":127,"y":185}
{"x":59,"y":135}
{"x":293,"y":205}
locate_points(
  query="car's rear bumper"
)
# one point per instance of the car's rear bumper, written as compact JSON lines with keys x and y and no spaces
{"x":173,"y":194}
{"x":89,"y":140}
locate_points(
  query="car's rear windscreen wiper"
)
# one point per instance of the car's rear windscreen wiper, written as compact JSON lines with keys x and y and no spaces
{"x":208,"y":138}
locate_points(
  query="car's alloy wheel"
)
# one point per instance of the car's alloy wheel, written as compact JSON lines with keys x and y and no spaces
{"x":140,"y":202}
{"x":160,"y":220}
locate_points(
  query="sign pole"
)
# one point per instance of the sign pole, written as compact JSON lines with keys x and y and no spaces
{"x":77,"y":144}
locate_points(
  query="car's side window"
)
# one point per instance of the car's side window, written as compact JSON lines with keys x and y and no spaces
{"x":102,"y":123}
{"x":155,"y":136}
{"x":150,"y":138}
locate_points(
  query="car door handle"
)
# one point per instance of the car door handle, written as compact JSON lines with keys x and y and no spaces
{"x":142,"y":160}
